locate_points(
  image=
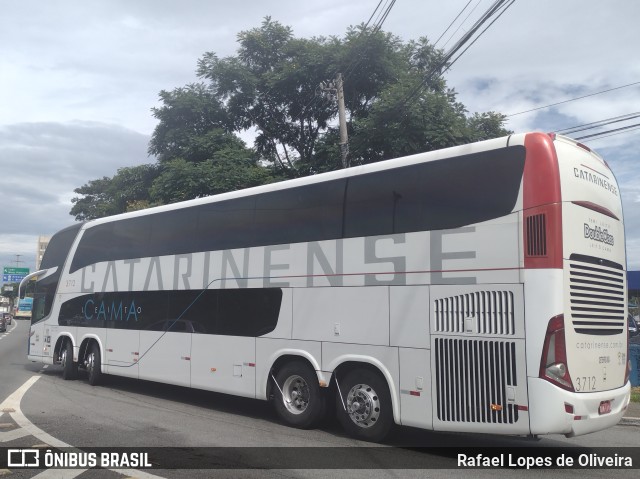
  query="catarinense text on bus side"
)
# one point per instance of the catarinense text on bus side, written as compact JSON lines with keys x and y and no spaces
{"x":441,"y":257}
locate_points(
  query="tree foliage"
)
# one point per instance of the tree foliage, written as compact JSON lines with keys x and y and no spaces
{"x":109,"y":196}
{"x":396,"y":101}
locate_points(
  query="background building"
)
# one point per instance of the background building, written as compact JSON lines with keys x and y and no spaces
{"x":43,"y":242}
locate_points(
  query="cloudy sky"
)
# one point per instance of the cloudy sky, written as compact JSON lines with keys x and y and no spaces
{"x":78,"y":80}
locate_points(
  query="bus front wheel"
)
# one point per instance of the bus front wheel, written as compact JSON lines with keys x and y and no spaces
{"x":69,"y":368}
{"x":363,"y":404}
{"x":298,"y":398}
{"x":93,"y":363}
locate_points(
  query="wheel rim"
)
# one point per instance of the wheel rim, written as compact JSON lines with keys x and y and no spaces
{"x":363,"y":405}
{"x":64,"y":358}
{"x":296,"y":394}
{"x":90,"y":362}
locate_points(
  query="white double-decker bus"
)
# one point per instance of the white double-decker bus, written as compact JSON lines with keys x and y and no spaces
{"x":480,"y":288}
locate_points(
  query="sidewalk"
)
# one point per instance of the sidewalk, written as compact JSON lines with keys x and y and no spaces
{"x":632,"y":416}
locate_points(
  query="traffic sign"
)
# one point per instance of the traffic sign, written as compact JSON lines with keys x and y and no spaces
{"x":18,"y":271}
{"x":12,"y":278}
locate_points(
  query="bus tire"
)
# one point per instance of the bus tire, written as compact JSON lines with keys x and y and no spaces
{"x":298,"y":399}
{"x":69,"y":368}
{"x":366,"y":396}
{"x":94,"y":362}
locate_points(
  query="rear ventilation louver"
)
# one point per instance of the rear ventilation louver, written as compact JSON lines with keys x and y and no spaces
{"x":597,"y":294}
{"x":492,"y":312}
{"x":537,"y":235}
{"x":472,"y":377}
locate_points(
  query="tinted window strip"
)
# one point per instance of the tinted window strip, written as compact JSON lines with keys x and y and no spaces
{"x":478,"y":187}
{"x":249,"y":312}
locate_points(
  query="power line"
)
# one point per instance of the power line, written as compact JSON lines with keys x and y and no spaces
{"x":498,"y":6}
{"x":374,"y":12}
{"x":598,"y":124}
{"x":454,"y":21}
{"x":613,"y":134}
{"x":609,"y":131}
{"x":384,"y":16}
{"x":478,"y":37}
{"x":573,"y":99}
{"x":462,"y":23}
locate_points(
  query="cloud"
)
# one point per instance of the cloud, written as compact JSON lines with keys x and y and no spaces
{"x":42,"y":163}
{"x":79,"y":79}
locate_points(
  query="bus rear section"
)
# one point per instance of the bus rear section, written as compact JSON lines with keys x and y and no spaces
{"x":575,"y":289}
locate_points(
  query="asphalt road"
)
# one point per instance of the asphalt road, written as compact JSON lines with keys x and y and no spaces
{"x":39,"y":409}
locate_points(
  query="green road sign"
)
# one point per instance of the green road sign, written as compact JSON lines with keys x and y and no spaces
{"x":12,"y":270}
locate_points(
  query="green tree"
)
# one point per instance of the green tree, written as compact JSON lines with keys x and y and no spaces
{"x":396,"y":100}
{"x":109,"y":196}
{"x":397,"y":104}
{"x":271,"y":85}
{"x":181,"y":180}
{"x":192,"y":124}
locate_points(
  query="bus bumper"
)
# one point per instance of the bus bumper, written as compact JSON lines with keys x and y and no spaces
{"x":550,"y":409}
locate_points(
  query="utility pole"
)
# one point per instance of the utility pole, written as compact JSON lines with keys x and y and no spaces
{"x":335,"y":90}
{"x":342,"y":117}
{"x":18,"y":260}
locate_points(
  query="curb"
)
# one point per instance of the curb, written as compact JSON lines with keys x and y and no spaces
{"x":630,"y":421}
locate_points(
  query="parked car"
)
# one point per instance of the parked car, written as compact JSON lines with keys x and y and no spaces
{"x":3,"y":324}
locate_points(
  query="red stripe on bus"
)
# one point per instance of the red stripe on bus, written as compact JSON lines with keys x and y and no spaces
{"x":541,"y":195}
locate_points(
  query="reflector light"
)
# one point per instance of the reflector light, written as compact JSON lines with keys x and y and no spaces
{"x":496,"y":407}
{"x":568,"y":408}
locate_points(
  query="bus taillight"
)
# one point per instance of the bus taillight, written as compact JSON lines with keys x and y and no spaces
{"x":553,"y":364}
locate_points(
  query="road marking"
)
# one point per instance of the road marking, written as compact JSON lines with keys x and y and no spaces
{"x":11,"y":406}
{"x":59,"y":474}
{"x":12,"y":435}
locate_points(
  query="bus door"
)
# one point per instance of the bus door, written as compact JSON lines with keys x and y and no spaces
{"x":36,"y":340}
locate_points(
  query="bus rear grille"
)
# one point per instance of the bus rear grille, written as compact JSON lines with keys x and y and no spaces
{"x":472,"y":378}
{"x":537,"y":235}
{"x":492,"y":312}
{"x":597,"y":292}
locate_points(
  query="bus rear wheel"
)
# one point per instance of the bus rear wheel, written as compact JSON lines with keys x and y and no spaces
{"x":93,"y":362}
{"x":299,"y":401}
{"x":69,"y":368}
{"x":366,"y":397}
